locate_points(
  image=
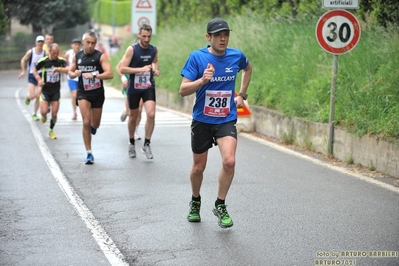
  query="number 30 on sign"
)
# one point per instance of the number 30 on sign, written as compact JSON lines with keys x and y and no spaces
{"x":338,"y":31}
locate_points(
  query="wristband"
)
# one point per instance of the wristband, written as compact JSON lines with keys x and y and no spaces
{"x":123,"y":78}
{"x":38,"y":78}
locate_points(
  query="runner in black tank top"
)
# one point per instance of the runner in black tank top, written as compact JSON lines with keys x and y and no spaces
{"x":92,"y":67}
{"x":90,"y":63}
{"x":141,"y":63}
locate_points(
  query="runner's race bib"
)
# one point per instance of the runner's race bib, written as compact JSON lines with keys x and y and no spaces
{"x":217,"y":103}
{"x":91,"y":84}
{"x":52,"y":77}
{"x":142,"y":80}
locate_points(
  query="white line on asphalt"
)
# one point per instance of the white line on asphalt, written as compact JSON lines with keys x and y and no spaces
{"x":108,"y":247}
{"x":167,"y":118}
{"x":316,"y":161}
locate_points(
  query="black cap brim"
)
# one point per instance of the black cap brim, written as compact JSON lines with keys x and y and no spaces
{"x":218,"y":30}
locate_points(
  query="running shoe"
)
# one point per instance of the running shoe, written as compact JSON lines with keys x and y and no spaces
{"x":75,"y":116}
{"x":52,"y":135}
{"x":123,"y":116}
{"x":89,"y":159}
{"x":194,"y":213}
{"x":35,"y":118}
{"x":93,"y":130}
{"x":146,"y":149}
{"x":136,"y":136}
{"x":132,"y":151}
{"x":44,"y":119}
{"x":224,"y":218}
{"x":27,"y":100}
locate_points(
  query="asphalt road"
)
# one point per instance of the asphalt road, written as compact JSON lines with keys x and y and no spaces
{"x":288,"y":209}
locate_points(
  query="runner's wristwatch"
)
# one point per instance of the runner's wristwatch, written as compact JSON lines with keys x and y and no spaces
{"x":243,"y":95}
{"x":94,"y":74}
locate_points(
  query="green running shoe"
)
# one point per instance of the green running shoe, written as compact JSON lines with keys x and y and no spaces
{"x":52,"y":135}
{"x":194,"y":213}
{"x":27,"y":100}
{"x":224,"y":218}
{"x":35,"y":118}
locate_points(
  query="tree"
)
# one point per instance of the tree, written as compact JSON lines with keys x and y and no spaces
{"x":48,"y":14}
{"x":3,"y":20}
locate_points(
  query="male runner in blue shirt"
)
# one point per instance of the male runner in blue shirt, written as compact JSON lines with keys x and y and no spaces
{"x":211,"y":73}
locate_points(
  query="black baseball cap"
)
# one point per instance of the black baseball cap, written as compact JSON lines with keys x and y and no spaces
{"x":216,"y":25}
{"x":76,"y":40}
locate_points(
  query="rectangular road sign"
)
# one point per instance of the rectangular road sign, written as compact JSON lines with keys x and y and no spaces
{"x":341,"y":4}
{"x":144,"y":12}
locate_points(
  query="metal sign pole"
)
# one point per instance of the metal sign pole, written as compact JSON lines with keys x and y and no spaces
{"x":332,"y":105}
{"x":337,"y":32}
{"x":113,"y":18}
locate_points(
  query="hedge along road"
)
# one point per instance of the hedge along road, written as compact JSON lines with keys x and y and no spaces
{"x":287,"y":209}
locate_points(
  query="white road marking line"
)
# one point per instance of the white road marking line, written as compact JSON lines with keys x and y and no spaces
{"x":316,"y":161}
{"x":108,"y":247}
{"x":162,"y":119}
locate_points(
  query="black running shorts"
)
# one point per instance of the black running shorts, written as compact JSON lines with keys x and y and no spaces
{"x":204,"y":136}
{"x":134,"y":98}
{"x":96,"y":99}
{"x":50,"y":95}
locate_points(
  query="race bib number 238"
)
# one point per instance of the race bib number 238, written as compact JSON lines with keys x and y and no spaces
{"x":217,"y":103}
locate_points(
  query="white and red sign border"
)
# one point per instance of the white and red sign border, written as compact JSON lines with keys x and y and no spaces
{"x":340,"y":15}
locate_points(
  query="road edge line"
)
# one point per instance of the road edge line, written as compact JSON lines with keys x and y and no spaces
{"x":106,"y":244}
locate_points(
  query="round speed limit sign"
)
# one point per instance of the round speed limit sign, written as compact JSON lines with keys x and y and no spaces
{"x":338,"y":31}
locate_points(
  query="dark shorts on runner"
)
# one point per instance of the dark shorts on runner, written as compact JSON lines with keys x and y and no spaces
{"x":31,"y":79}
{"x":134,"y":98}
{"x":50,"y":95}
{"x":204,"y":136}
{"x":96,"y":99}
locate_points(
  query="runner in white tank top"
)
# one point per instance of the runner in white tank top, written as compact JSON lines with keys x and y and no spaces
{"x":73,"y":83}
{"x":31,"y":57}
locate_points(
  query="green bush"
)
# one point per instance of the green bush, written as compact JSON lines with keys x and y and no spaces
{"x":105,"y":11}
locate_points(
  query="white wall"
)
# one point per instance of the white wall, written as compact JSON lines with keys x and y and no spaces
{"x":17,"y":27}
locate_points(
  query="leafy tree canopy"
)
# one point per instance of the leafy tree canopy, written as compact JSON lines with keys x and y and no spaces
{"x":48,"y":14}
{"x":3,"y":20}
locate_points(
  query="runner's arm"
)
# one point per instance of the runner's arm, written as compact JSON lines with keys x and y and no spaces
{"x":118,"y":67}
{"x":23,"y":63}
{"x":73,"y":71}
{"x":36,"y":75}
{"x":246,"y":78}
{"x":122,"y":76}
{"x":188,"y":87}
{"x":107,"y":69}
{"x":64,"y":68}
{"x":128,"y":56}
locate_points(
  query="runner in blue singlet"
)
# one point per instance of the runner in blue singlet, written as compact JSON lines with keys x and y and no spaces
{"x":211,"y":74}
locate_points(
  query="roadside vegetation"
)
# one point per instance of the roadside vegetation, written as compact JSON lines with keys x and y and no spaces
{"x":292,"y":74}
